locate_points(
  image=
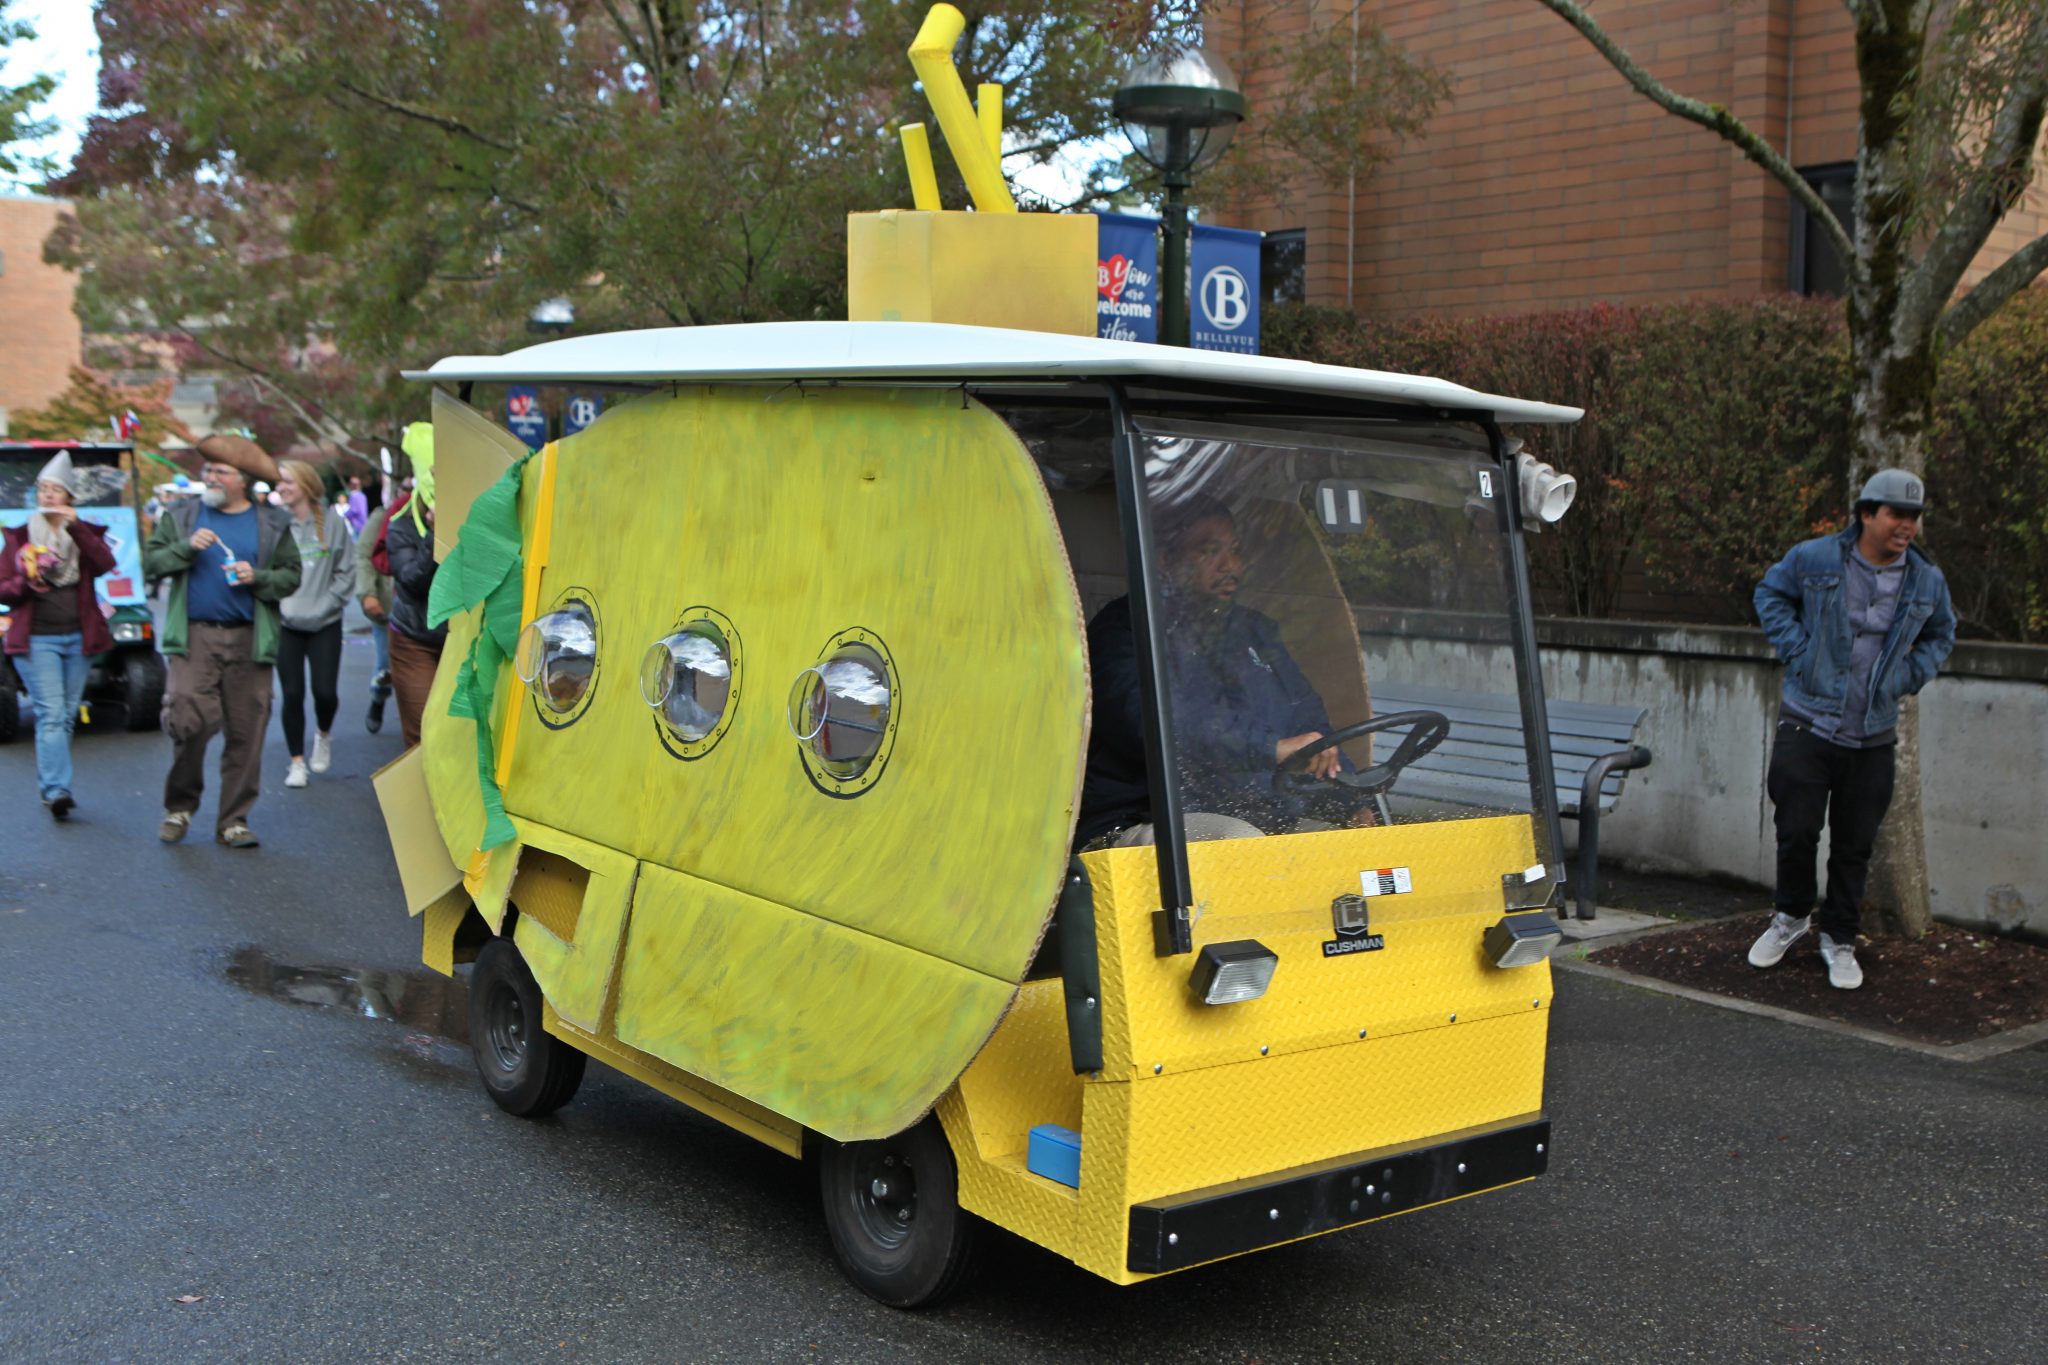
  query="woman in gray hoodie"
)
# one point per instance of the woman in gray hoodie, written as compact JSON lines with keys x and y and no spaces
{"x":310,"y":641}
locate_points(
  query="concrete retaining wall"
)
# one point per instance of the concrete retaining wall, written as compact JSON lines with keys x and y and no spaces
{"x":1712,"y":695}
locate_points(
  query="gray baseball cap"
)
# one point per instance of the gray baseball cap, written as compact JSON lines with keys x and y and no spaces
{"x":1896,"y":488}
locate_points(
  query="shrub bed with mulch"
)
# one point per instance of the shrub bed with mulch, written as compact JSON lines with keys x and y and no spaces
{"x":1952,"y":986}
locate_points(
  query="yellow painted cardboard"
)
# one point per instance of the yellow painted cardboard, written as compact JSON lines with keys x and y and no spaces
{"x":801,"y":1015}
{"x":872,"y":940}
{"x":1029,"y":271}
{"x":470,"y":452}
{"x":425,"y":870}
{"x":575,"y":975}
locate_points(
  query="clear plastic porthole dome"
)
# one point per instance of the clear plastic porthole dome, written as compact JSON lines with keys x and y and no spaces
{"x":840,"y":709}
{"x":557,"y":657}
{"x":686,"y":678}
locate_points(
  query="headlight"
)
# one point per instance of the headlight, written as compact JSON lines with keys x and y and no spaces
{"x":1226,"y":973}
{"x":129,"y":632}
{"x":1546,"y":494}
{"x":1518,"y":940}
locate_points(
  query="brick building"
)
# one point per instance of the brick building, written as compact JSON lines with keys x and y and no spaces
{"x":1546,"y":182}
{"x":39,"y":333}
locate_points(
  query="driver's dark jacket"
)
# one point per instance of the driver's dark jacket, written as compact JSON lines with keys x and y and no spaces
{"x":1236,"y":695}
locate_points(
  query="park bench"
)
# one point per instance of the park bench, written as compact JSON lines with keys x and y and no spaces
{"x":1483,"y":762}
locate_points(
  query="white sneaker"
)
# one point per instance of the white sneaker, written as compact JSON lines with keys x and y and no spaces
{"x":323,"y":753}
{"x":1785,"y":931}
{"x":296,"y":777}
{"x":1843,"y":972}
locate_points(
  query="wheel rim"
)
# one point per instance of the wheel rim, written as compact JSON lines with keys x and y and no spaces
{"x":884,"y":1196}
{"x":505,"y":1035}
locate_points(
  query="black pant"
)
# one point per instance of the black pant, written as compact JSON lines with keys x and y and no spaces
{"x":1811,"y":782}
{"x":298,"y":653}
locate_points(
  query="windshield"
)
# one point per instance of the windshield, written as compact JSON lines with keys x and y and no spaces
{"x":1335,"y":619}
{"x":102,"y":498}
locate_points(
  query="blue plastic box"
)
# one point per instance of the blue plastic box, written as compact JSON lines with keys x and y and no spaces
{"x":1055,"y":1153}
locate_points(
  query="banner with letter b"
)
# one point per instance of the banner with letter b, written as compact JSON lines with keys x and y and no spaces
{"x":1223,"y":273}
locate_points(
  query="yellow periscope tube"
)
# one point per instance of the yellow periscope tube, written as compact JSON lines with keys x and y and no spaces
{"x":924,"y":182}
{"x":931,"y":55}
{"x":988,"y":104}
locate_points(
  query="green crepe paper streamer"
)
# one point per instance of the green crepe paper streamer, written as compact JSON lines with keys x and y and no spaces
{"x":485,"y":568}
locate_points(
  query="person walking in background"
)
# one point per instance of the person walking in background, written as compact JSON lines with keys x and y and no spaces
{"x":356,"y":505}
{"x":54,"y":623}
{"x":409,"y":550}
{"x":375,"y":586}
{"x":310,"y":641}
{"x":1860,"y":619}
{"x":229,"y":562}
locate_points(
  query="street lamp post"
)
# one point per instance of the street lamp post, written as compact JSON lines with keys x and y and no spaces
{"x":552,"y":318}
{"x":1180,"y":108}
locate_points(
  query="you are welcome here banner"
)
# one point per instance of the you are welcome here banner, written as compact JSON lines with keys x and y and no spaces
{"x":1223,"y":273}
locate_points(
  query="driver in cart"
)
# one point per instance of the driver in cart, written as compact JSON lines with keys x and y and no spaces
{"x":1242,"y":707}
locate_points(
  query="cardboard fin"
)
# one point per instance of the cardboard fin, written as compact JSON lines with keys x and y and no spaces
{"x":424,"y":868}
{"x":470,"y":453}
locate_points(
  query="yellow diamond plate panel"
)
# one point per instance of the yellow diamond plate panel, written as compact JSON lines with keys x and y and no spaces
{"x":1194,"y":1129}
{"x":1253,"y":1089}
{"x":1023,"y":1077}
{"x":1278,"y":890}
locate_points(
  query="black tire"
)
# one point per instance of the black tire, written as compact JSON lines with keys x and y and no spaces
{"x":893,"y":1208}
{"x":10,"y":701}
{"x":142,"y":689}
{"x":527,"y":1071}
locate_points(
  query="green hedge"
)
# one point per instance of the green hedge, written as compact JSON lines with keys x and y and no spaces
{"x":1716,"y":435}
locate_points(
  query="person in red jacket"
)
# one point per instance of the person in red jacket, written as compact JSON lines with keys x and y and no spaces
{"x":54,"y":623}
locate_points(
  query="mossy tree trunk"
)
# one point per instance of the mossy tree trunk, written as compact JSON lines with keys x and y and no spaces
{"x":1950,"y":110}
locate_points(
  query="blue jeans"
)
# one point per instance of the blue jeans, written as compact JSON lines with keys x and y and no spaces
{"x":54,"y":671}
{"x":380,"y":635}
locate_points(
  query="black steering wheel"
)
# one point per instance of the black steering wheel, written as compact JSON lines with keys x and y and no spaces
{"x":1426,"y":730}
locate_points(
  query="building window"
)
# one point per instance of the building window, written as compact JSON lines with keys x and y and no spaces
{"x":1815,"y":267}
{"x":1283,"y":265}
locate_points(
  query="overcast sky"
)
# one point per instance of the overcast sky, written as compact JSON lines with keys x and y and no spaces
{"x":65,"y":47}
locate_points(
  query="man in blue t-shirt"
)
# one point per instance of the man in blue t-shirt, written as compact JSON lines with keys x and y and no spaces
{"x":229,"y":562}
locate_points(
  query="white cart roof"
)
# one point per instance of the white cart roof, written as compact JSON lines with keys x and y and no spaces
{"x":947,"y":352}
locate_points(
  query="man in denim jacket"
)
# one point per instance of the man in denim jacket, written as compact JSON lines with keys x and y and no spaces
{"x":1860,"y":619}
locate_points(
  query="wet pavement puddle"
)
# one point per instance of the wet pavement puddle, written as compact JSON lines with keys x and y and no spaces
{"x":423,"y":1001}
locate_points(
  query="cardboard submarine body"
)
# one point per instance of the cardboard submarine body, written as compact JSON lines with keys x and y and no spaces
{"x":756,"y":753}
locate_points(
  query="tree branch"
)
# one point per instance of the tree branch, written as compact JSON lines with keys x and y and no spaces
{"x":440,"y":121}
{"x":1712,"y":117}
{"x":2007,"y":161}
{"x":315,"y":417}
{"x":2018,"y":271}
{"x":631,"y":39}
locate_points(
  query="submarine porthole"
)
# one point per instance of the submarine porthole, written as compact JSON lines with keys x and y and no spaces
{"x":689,"y":679}
{"x":556,"y":658}
{"x":843,"y":712}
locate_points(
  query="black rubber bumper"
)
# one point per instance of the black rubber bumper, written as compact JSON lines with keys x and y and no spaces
{"x":1224,"y":1220}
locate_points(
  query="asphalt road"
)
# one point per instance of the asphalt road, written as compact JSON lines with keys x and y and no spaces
{"x":335,"y":1186}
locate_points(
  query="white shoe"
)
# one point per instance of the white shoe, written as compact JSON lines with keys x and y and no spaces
{"x":1785,"y":931}
{"x":1843,"y":972}
{"x":296,"y":777}
{"x":323,"y":753}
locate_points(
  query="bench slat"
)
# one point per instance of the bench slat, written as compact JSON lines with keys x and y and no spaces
{"x":1483,"y":761}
